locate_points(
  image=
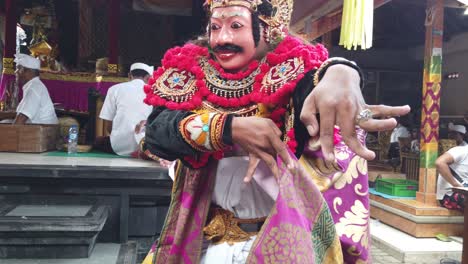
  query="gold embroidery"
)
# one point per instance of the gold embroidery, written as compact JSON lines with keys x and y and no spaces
{"x":337,"y":202}
{"x":250,"y":4}
{"x":277,"y":22}
{"x":354,"y":224}
{"x":175,"y":85}
{"x":357,"y":190}
{"x":356,"y":166}
{"x":112,"y":68}
{"x":216,"y":131}
{"x":288,"y":238}
{"x":70,"y":77}
{"x":80,"y":77}
{"x":353,"y":251}
{"x":204,"y":132}
{"x":334,"y":253}
{"x":282,"y":73}
{"x":176,"y":80}
{"x":320,"y":171}
{"x":8,"y":71}
{"x":224,"y":227}
{"x":289,"y":120}
{"x":186,"y":133}
{"x":227,"y":88}
{"x":242,"y":111}
{"x":263,"y":111}
{"x":8,"y":65}
{"x":342,"y":152}
{"x":295,"y":197}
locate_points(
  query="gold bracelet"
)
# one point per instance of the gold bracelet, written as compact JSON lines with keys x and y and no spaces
{"x":146,"y":152}
{"x":217,"y":127}
{"x":186,"y":135}
{"x":151,"y":156}
{"x":204,"y":132}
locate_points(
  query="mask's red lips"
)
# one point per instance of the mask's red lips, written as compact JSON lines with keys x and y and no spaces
{"x":225,"y":55}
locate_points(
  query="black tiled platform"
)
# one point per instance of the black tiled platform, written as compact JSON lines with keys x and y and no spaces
{"x":42,"y":228}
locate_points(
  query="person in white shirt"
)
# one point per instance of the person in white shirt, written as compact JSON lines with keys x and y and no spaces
{"x":399,"y":131}
{"x":453,"y":172}
{"x":415,"y":140}
{"x":457,"y":133}
{"x":124,"y":109}
{"x":36,"y":107}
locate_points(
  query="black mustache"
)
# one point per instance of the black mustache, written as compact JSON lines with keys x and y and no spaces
{"x":228,"y":47}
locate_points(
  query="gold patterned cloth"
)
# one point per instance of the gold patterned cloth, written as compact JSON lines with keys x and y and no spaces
{"x":224,"y":227}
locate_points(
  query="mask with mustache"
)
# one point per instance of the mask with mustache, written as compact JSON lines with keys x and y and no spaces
{"x":228,"y":47}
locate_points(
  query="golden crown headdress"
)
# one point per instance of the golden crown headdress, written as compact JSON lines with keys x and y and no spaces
{"x":250,"y":4}
{"x":282,"y":9}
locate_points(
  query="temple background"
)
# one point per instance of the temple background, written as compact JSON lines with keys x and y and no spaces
{"x":398,"y":53}
{"x":83,"y":28}
{"x":394,"y":64}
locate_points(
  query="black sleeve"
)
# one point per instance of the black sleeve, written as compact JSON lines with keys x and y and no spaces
{"x":303,"y":89}
{"x":347,"y":63}
{"x":163,"y":137}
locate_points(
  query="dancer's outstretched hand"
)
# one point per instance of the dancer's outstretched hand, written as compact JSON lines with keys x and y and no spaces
{"x":339,"y":101}
{"x":261,"y":139}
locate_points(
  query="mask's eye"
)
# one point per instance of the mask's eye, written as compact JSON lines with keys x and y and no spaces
{"x":214,"y":27}
{"x":236,"y":25}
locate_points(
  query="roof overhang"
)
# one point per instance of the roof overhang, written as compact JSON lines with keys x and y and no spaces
{"x":312,"y":19}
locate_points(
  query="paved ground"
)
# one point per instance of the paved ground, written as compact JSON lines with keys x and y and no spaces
{"x":102,"y":254}
{"x":380,"y":257}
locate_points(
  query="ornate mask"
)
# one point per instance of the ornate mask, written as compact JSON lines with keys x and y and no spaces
{"x":277,"y":23}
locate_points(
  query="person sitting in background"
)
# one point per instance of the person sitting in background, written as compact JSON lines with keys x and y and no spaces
{"x":124,"y":109}
{"x":457,"y":133}
{"x":453,"y":172}
{"x":399,"y":131}
{"x":36,"y":106}
{"x":415,"y":140}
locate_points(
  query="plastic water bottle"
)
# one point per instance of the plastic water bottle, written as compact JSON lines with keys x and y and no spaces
{"x":73,"y":139}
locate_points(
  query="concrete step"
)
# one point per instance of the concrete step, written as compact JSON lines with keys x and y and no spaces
{"x":41,"y":228}
{"x":102,"y":254}
{"x":409,"y":249}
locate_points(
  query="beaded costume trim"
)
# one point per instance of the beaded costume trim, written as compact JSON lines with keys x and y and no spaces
{"x":188,"y":77}
{"x":189,"y":80}
{"x":204,"y":132}
{"x":225,"y":87}
{"x":177,"y":86}
{"x":252,"y":110}
{"x":282,"y":73}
